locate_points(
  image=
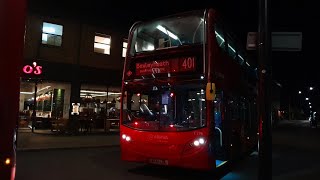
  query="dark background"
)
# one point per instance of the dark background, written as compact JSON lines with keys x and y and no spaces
{"x":294,"y":70}
{"x":285,"y":16}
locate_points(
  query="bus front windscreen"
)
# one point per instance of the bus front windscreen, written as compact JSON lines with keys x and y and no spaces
{"x":164,"y":108}
{"x":172,"y":31}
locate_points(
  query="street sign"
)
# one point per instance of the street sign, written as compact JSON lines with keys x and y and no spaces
{"x":281,"y":41}
{"x":286,"y":41}
{"x":252,"y":40}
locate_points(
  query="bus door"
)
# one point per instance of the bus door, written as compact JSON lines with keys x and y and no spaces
{"x":219,"y":129}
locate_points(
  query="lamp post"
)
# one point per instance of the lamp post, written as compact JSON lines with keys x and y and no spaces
{"x":33,"y":116}
{"x":264,"y":93}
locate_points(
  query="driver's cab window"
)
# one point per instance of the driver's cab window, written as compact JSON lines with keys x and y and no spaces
{"x":154,"y":106}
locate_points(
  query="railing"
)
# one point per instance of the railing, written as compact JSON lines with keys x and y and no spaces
{"x":108,"y":124}
{"x":220,"y":134}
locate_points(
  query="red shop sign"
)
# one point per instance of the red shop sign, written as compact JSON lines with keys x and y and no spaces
{"x":34,"y":69}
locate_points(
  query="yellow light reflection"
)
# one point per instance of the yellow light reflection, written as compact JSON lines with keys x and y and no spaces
{"x":8,"y":161}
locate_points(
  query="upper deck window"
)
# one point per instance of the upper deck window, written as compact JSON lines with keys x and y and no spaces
{"x":220,"y":36}
{"x":232,"y":48}
{"x":172,"y":31}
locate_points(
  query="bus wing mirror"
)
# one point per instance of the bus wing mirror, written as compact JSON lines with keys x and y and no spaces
{"x":210,"y":91}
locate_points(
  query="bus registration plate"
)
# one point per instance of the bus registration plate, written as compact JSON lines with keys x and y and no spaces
{"x":159,"y":161}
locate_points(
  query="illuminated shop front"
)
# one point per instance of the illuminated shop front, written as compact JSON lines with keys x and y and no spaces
{"x":95,"y":99}
{"x":52,"y":98}
{"x":49,"y":95}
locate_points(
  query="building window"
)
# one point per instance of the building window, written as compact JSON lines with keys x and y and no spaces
{"x":102,"y":43}
{"x":124,"y":48}
{"x":52,"y":34}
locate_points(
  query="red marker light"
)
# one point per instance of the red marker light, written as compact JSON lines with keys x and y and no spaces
{"x":171,"y":94}
{"x":171,"y":125}
{"x":138,"y":94}
{"x":136,"y":123}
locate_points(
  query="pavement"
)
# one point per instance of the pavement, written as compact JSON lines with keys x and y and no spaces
{"x":45,"y":139}
{"x":246,"y":169}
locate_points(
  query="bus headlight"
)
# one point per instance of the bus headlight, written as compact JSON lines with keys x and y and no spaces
{"x":125,"y":137}
{"x":195,"y":146}
{"x":128,"y":138}
{"x":199,"y":142}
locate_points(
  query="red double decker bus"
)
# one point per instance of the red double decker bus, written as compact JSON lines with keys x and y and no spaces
{"x":188,"y":93}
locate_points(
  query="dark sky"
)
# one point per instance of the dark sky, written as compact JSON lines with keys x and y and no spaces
{"x":290,"y":68}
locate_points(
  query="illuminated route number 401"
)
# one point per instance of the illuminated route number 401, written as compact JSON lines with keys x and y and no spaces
{"x":188,"y":63}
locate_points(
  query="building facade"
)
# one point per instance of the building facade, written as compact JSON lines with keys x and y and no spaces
{"x":70,"y":68}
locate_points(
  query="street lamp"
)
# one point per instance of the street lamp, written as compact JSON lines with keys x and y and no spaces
{"x":307,"y":99}
{"x":299,"y":92}
{"x":311,"y":88}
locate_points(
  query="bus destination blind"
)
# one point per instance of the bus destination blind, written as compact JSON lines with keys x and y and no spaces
{"x":174,"y":65}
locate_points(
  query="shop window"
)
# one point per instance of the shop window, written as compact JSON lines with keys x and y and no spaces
{"x":102,"y":43}
{"x":101,"y":101}
{"x":52,"y":34}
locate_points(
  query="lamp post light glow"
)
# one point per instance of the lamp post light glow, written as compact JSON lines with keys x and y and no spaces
{"x":300,"y":92}
{"x":311,"y":88}
{"x":307,"y":99}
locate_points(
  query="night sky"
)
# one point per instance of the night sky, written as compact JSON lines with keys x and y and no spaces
{"x":292,"y":69}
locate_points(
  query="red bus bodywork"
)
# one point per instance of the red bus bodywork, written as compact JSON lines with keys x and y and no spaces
{"x":166,"y":148}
